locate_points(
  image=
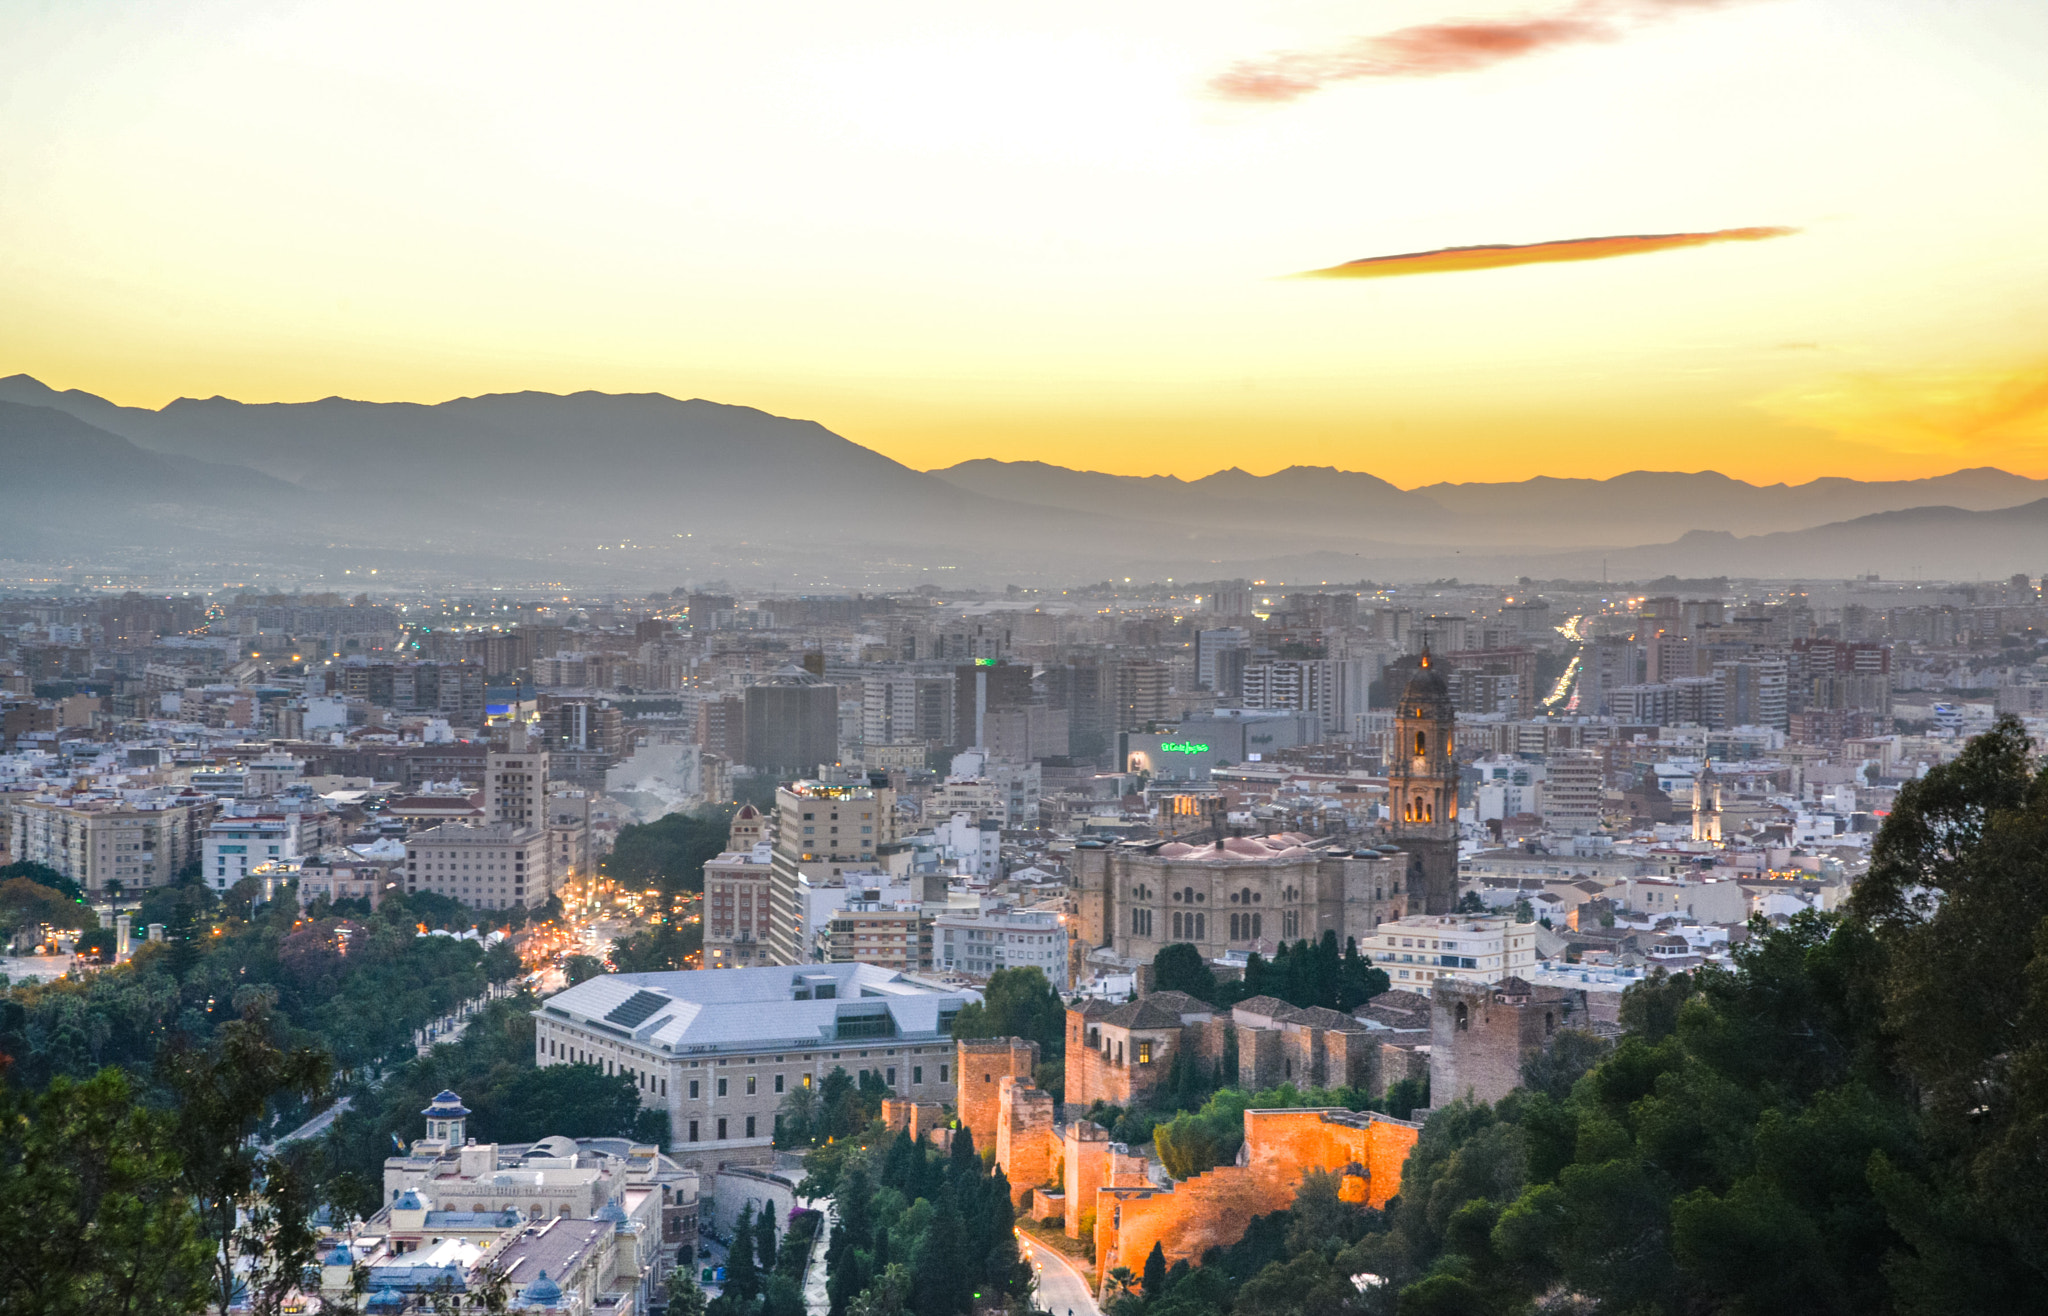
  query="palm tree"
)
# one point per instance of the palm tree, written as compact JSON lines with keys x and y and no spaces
{"x":1122,"y":1277}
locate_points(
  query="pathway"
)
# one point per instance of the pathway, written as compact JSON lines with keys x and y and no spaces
{"x":1062,"y":1289}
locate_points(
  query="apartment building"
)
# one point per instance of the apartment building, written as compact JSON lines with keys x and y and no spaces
{"x":979,"y":945}
{"x":235,"y":847}
{"x":101,"y":841}
{"x":1425,"y":948}
{"x":822,"y":829}
{"x":485,"y":866}
{"x":736,"y":906}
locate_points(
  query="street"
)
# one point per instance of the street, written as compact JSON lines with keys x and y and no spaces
{"x":1062,"y":1290}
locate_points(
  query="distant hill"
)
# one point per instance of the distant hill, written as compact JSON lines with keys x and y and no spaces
{"x":546,"y":486}
{"x":61,"y":478}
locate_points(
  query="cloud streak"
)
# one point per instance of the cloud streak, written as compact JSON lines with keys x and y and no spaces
{"x":1429,"y":50}
{"x":1451,"y":260}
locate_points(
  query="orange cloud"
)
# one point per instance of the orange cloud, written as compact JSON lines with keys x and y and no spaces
{"x":1447,"y":260}
{"x":1429,"y":50}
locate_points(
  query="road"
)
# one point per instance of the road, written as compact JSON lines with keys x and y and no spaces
{"x":1061,"y":1288}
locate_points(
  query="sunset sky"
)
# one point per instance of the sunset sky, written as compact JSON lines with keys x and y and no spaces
{"x":1067,"y":231}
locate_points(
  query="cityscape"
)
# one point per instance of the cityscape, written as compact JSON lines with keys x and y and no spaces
{"x":1201,"y":661}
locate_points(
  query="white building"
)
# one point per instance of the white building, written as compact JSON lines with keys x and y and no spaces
{"x":235,"y":846}
{"x":1423,"y":948}
{"x":980,"y":944}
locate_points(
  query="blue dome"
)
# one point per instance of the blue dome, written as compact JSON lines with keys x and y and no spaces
{"x":341,"y":1256}
{"x":542,"y":1292}
{"x":385,"y":1300}
{"x":409,"y":1201}
{"x":445,"y":1106}
{"x":612,"y":1211}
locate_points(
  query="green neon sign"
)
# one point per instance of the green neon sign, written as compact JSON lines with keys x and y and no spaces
{"x":1183,"y":747}
{"x":984,"y":662}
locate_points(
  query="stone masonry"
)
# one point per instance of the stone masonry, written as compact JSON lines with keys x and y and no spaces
{"x":982,"y":1064}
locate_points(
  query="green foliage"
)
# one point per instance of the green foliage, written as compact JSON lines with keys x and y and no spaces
{"x":668,"y":853}
{"x":582,"y":968}
{"x":92,"y":1207}
{"x":1017,"y":1003}
{"x":1311,"y":974}
{"x":26,"y":904}
{"x":1181,"y":968}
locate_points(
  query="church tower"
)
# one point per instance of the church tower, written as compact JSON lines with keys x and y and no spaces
{"x":1706,"y":805}
{"x":1422,"y":789}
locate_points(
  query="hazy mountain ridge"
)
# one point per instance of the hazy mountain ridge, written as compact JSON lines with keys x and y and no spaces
{"x":566,"y":481}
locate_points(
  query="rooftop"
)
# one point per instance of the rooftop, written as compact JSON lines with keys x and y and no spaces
{"x":755,"y":1007}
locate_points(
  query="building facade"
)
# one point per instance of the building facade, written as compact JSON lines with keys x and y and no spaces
{"x":491,"y":866}
{"x":1239,"y":894}
{"x":722,"y":1051}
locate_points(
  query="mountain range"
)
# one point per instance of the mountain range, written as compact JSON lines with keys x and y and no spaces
{"x":645,"y":487}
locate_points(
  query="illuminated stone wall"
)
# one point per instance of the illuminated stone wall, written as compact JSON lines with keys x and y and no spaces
{"x":1212,"y":1209}
{"x":981,"y":1064}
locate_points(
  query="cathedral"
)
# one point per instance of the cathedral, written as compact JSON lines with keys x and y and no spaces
{"x":1246,"y":893}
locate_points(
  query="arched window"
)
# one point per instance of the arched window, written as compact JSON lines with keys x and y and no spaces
{"x":1463,"y":1017}
{"x":1549,"y":1023}
{"x":1255,"y":925}
{"x":1421,"y":743}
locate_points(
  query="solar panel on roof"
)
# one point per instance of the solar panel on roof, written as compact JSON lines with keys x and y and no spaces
{"x":636,"y":1009}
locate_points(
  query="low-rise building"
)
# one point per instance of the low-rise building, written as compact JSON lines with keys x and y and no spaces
{"x":721,"y":1052}
{"x":1425,"y":948}
{"x":978,"y":945}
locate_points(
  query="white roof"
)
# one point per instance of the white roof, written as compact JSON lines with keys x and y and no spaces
{"x":752,"y":1008}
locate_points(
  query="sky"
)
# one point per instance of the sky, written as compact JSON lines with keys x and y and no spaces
{"x":1069,"y":232}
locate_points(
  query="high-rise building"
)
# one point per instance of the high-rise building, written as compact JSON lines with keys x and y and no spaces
{"x":792,"y":723}
{"x":821,"y":829}
{"x":516,"y":781}
{"x":1141,"y":686}
{"x":1574,"y":790}
{"x":1333,"y":689}
{"x":1213,"y":670}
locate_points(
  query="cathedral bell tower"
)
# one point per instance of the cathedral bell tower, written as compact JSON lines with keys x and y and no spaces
{"x":1422,"y":789}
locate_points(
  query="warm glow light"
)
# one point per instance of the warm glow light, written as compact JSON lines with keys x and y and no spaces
{"x":1054,"y":230}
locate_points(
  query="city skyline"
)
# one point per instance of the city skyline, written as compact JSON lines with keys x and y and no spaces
{"x":1064,"y":236}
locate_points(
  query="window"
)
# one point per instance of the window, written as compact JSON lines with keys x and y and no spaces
{"x":750,"y":1126}
{"x":1462,"y":1017}
{"x":1144,"y":1053}
{"x":778,"y":1082}
{"x":892,"y":1076}
{"x":693,"y":1089}
{"x":917,"y":1073}
{"x":721,"y":1130}
{"x":693,"y":1130}
{"x":750,"y":1085}
{"x":722,"y":1086}
{"x":942,"y":1073}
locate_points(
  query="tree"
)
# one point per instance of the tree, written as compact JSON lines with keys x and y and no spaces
{"x":685,"y":1298}
{"x":764,"y":1238}
{"x":742,"y":1271}
{"x":256,"y":1208}
{"x":1155,"y":1272}
{"x":92,"y":1207}
{"x":582,"y":968}
{"x":799,"y":1115}
{"x":1181,"y":968}
{"x":1017,"y":1003}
